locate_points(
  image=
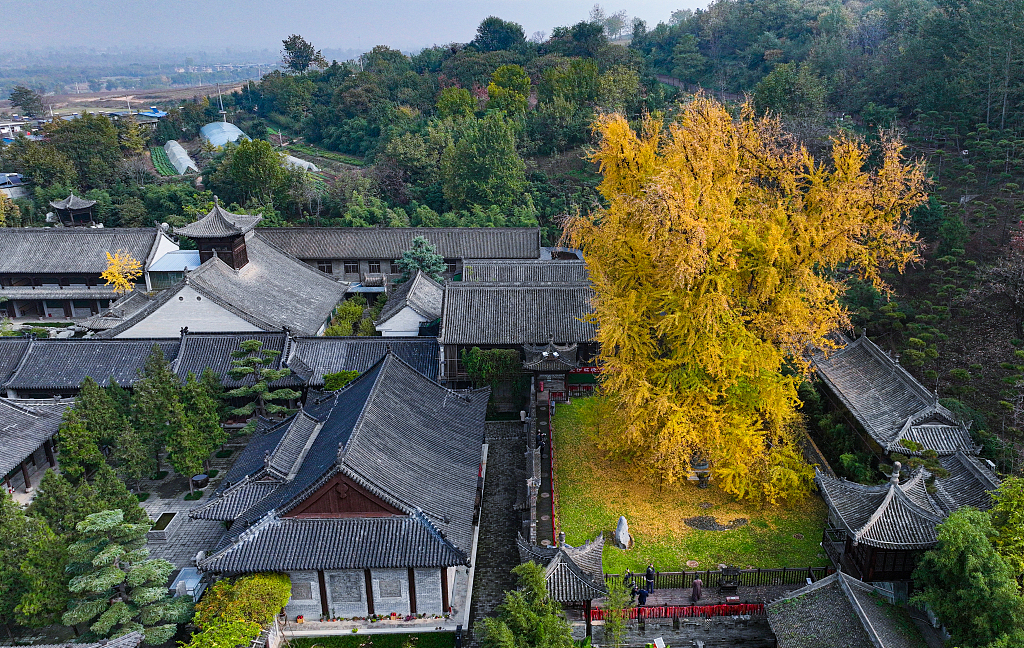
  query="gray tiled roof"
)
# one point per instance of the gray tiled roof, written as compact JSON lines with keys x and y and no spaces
{"x":11,"y":351}
{"x":840,"y":610}
{"x":24,"y":427}
{"x":53,"y":292}
{"x":67,"y":250}
{"x":571,"y":573}
{"x":219,"y":223}
{"x":513,"y":314}
{"x":273,"y":291}
{"x":521,"y":271}
{"x":943,"y":438}
{"x":889,"y":516}
{"x":228,"y":505}
{"x":72,"y":202}
{"x":311,"y":358}
{"x":969,"y":483}
{"x":64,"y":364}
{"x":118,"y":312}
{"x":400,"y":436}
{"x":421,"y":293}
{"x":201,"y":351}
{"x":390,"y":242}
{"x":886,"y":400}
{"x":289,"y":544}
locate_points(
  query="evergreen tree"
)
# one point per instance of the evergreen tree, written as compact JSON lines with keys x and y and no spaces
{"x":422,"y":255}
{"x":61,"y":504}
{"x":202,"y":412}
{"x":967,"y":584}
{"x":44,"y":570}
{"x":120,"y":397}
{"x":112,"y":493}
{"x":13,"y":547}
{"x":528,"y":618}
{"x":78,"y":448}
{"x":131,"y":456}
{"x":186,"y":449}
{"x":156,"y":393}
{"x":252,"y":360}
{"x":215,"y":389}
{"x":115,"y":588}
{"x":1008,"y":519}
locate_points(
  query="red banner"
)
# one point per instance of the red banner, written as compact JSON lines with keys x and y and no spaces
{"x":673,"y":611}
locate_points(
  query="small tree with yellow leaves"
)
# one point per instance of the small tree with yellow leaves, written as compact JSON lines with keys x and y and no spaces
{"x":122,"y":271}
{"x":717,"y":263}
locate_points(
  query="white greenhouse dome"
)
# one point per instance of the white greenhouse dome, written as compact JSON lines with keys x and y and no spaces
{"x":298,"y":163}
{"x":179,"y":158}
{"x":220,"y":133}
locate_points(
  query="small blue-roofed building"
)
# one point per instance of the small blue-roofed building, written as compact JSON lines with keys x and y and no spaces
{"x":220,"y":133}
{"x":171,"y":268}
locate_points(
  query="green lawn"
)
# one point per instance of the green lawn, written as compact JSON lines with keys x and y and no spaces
{"x":592,"y":493}
{"x":359,"y":640}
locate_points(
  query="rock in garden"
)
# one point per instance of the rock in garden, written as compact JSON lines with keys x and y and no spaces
{"x":622,"y":538}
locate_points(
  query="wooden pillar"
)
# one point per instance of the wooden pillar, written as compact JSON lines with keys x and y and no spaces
{"x":48,"y":449}
{"x":369,"y":592}
{"x":24,"y":473}
{"x":586,"y":613}
{"x":323,"y":593}
{"x":412,"y":591}
{"x":444,"y":590}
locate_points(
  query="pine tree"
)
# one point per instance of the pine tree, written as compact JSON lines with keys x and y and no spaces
{"x":528,"y":618}
{"x":423,"y":256}
{"x":186,"y":449}
{"x":202,"y":412}
{"x":215,"y":388}
{"x":155,"y":395}
{"x":13,"y":547}
{"x":252,"y":360}
{"x":112,"y":493}
{"x":131,"y":456}
{"x":44,"y":569}
{"x":61,"y":504}
{"x":79,"y":450}
{"x":115,"y":588}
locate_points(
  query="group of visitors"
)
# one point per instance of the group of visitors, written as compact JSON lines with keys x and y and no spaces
{"x":639,"y":595}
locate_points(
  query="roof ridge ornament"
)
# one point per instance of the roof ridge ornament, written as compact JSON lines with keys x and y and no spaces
{"x":895,"y":478}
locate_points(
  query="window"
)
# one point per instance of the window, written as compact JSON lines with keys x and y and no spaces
{"x":351,"y":267}
{"x":325,"y":266}
{"x":302,"y":590}
{"x":451,"y":266}
{"x":374,"y":267}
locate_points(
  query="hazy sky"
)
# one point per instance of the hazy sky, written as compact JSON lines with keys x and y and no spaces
{"x":258,"y":24}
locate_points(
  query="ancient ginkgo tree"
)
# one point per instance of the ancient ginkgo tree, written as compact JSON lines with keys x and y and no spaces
{"x":717,"y":263}
{"x":122,"y":271}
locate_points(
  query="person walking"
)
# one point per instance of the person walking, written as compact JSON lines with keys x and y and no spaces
{"x":633,"y":591}
{"x":698,"y":589}
{"x":642,"y":598}
{"x":650,"y":577}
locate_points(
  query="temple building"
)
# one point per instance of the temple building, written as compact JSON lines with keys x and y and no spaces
{"x":365,"y":254}
{"x":74,"y":211}
{"x":521,"y":316}
{"x":573,"y":575}
{"x":887,"y":403}
{"x":878,"y":533}
{"x":368,"y":498}
{"x":413,"y":309}
{"x":26,"y":435}
{"x":840,"y":610}
{"x":242,"y":284}
{"x":55,"y":272}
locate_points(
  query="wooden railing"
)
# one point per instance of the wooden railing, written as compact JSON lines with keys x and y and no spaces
{"x":685,"y":611}
{"x":747,"y":577}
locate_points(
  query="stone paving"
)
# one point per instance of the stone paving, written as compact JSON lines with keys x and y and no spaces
{"x":187,"y":536}
{"x":500,"y":523}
